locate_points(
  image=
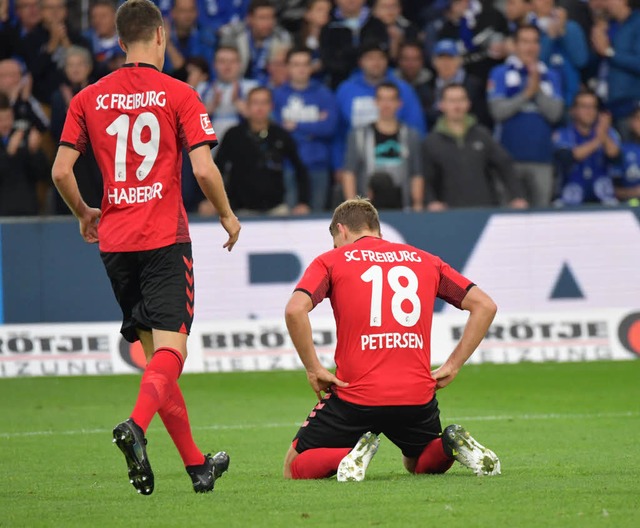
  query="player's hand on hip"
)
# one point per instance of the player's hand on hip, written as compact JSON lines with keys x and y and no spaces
{"x":89,"y":225}
{"x":232,"y":226}
{"x":321,"y":380}
{"x":443,"y":376}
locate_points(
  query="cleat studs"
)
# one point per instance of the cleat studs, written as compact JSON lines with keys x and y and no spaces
{"x":113,"y":441}
{"x":139,"y":491}
{"x":130,"y":481}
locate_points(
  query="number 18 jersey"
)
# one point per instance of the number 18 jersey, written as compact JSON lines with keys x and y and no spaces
{"x":137,"y":121}
{"x":382,"y":295}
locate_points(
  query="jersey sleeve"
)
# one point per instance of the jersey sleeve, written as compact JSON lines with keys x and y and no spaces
{"x":194,"y":125}
{"x":316,"y":281}
{"x":453,"y":286}
{"x":74,"y":133}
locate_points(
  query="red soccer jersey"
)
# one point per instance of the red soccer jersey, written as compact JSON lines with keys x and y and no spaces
{"x":382,"y":296}
{"x":137,"y":121}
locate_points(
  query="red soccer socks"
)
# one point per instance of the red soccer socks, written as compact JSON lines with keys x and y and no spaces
{"x":318,"y":463}
{"x":434,"y":459}
{"x":158,"y":382}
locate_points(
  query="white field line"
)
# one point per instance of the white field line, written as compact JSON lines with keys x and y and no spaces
{"x":461,"y":419}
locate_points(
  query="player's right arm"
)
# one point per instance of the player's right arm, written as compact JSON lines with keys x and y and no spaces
{"x":65,"y":181}
{"x":482,"y":310}
{"x":210,"y":181}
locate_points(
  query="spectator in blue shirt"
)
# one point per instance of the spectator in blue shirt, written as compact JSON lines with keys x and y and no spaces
{"x":585,"y":152}
{"x":626,"y":176}
{"x":308,"y":110}
{"x":102,"y":36}
{"x":618,"y":43}
{"x":186,"y":39}
{"x":563,"y":46}
{"x":525,"y":101}
{"x":357,"y":102}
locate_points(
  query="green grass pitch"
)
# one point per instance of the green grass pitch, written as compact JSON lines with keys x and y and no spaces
{"x":567,"y":436}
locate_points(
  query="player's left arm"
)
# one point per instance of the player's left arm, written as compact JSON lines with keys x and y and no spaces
{"x":482,"y":310}
{"x":65,"y":181}
{"x":299,"y":326}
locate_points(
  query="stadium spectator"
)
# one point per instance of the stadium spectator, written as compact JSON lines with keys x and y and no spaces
{"x":225,"y":98}
{"x":399,"y":29}
{"x":626,"y":175}
{"x":518,"y":13}
{"x":525,"y":101}
{"x":462,"y":160}
{"x":351,"y":26}
{"x":213,"y":14}
{"x":585,"y":152}
{"x":13,"y":33}
{"x":143,"y":230}
{"x":198,"y":74}
{"x":16,"y":85}
{"x":356,"y":98}
{"x":480,"y":31}
{"x":77,"y":69}
{"x":252,"y":158}
{"x":290,"y":13}
{"x":373,"y":303}
{"x":411,"y":69}
{"x":277,"y":66}
{"x":315,"y":17}
{"x":447,"y":64}
{"x":103,"y":37}
{"x":23,"y":166}
{"x":308,"y":110}
{"x":385,"y":146}
{"x":186,"y":39}
{"x":383,"y":193}
{"x":563,"y":46}
{"x":45,"y":48}
{"x":618,"y":43}
{"x":255,"y":38}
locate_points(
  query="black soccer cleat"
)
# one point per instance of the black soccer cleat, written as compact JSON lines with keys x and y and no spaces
{"x":204,"y":476}
{"x":128,"y":436}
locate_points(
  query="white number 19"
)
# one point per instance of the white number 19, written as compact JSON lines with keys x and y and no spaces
{"x":149,"y":149}
{"x":400,"y":294}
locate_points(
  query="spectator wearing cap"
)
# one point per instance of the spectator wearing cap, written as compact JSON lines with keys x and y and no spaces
{"x":385,"y":146}
{"x":563,"y":46}
{"x":626,"y":175}
{"x":447,"y":64}
{"x":351,"y":26}
{"x":479,"y":29}
{"x":462,"y":161}
{"x":585,"y":151}
{"x":617,"y":42}
{"x":525,"y":101}
{"x":356,"y":98}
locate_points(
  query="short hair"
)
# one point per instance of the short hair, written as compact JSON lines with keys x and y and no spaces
{"x":257,"y":4}
{"x":356,"y":215}
{"x":525,"y":27}
{"x":257,"y":89}
{"x":108,"y":3}
{"x":137,"y":21}
{"x":390,"y":85}
{"x":585,"y":91}
{"x":5,"y":104}
{"x":227,"y":47}
{"x":200,"y":63}
{"x":80,"y":52}
{"x":411,"y":44}
{"x":299,"y":49}
{"x":453,"y":86}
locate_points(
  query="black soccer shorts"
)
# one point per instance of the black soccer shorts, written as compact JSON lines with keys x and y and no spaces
{"x":154,"y":288}
{"x":336,"y":423}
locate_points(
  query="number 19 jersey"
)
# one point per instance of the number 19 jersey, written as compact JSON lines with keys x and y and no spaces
{"x":382,"y":295}
{"x":137,"y":121}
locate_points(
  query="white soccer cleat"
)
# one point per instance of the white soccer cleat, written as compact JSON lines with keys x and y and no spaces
{"x":469,"y":452}
{"x":353,"y":467}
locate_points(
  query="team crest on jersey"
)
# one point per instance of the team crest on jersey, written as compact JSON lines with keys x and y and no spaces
{"x":205,"y":122}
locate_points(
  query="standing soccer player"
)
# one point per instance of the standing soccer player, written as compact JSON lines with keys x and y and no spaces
{"x":382,"y":295}
{"x":137,"y":121}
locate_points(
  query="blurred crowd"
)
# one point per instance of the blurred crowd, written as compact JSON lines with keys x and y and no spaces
{"x":418,"y":104}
